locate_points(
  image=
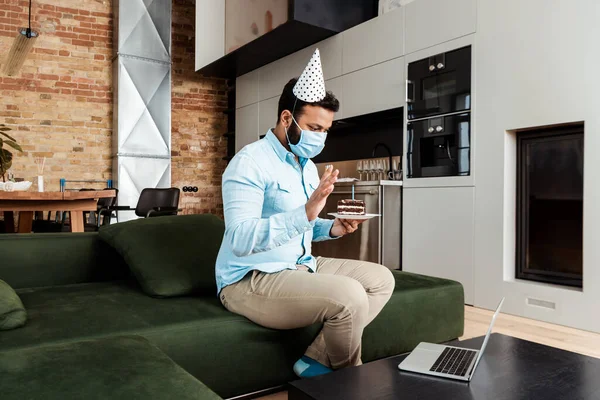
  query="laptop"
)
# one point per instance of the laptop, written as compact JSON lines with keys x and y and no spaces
{"x":447,"y":361}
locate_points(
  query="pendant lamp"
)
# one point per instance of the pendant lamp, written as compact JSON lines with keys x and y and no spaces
{"x":20,"y":48}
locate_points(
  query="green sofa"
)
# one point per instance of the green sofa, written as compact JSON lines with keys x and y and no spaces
{"x":76,"y":287}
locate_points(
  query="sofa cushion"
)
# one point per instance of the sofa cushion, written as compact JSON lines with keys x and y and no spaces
{"x":12,"y":312}
{"x":198,"y":333}
{"x":50,"y":259}
{"x":212,"y":343}
{"x":170,"y":256}
{"x":109,"y":368}
{"x":422,"y":308}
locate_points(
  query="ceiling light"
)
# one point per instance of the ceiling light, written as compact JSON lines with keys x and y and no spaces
{"x":20,"y":48}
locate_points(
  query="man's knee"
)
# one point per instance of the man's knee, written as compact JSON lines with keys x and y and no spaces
{"x":352,"y":298}
{"x":381,"y":279}
{"x":388,"y":281}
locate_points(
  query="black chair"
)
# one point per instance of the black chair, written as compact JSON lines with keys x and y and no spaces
{"x":154,"y":203}
{"x":103,"y":214}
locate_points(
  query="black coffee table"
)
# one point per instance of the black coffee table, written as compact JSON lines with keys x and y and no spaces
{"x":510,"y":369}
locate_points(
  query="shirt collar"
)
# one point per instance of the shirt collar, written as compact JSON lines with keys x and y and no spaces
{"x":282,"y":153}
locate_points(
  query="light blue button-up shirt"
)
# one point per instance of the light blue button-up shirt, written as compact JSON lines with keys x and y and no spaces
{"x":266,"y":228}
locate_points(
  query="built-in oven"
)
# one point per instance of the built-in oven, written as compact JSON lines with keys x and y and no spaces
{"x":439,"y":84}
{"x":439,"y":146}
{"x":438,"y":126}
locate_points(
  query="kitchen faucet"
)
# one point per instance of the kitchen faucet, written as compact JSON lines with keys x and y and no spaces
{"x":389,"y":151}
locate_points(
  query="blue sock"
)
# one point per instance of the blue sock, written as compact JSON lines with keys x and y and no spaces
{"x":306,"y":367}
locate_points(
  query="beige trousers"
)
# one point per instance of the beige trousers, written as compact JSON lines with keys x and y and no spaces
{"x":345,"y":295}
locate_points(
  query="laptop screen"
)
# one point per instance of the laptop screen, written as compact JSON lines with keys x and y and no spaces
{"x":487,"y":336}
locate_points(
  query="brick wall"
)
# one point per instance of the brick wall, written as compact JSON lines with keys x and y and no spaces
{"x":198,"y":123}
{"x":60,"y":105}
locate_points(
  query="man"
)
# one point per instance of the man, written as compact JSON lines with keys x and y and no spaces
{"x":272,"y":197}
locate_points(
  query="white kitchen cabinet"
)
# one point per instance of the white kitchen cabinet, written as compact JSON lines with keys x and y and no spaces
{"x":335,"y":86}
{"x":431,"y":22}
{"x":210,"y":34}
{"x":274,"y":76}
{"x":438,"y":234}
{"x":375,"y":41}
{"x":246,"y":126}
{"x":267,"y":114}
{"x":246,"y":89}
{"x":379,"y":87}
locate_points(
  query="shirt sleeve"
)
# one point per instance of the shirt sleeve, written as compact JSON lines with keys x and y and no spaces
{"x":243,"y":196}
{"x":322,"y":230}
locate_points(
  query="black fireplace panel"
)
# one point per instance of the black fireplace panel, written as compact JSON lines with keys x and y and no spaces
{"x":550,"y":205}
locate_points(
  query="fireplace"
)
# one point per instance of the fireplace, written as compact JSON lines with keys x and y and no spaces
{"x":549,"y":211}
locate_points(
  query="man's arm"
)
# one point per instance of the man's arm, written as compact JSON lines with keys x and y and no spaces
{"x":243,"y":197}
{"x":322,"y":230}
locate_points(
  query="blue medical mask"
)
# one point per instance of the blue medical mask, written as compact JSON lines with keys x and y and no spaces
{"x":310,"y":143}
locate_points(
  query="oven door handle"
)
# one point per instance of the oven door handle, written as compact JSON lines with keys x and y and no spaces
{"x":363,"y":191}
{"x":410,"y":91}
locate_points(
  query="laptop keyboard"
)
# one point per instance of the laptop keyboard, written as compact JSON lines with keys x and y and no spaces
{"x":454,"y":361}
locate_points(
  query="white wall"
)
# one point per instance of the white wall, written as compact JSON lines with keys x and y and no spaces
{"x":537,"y":64}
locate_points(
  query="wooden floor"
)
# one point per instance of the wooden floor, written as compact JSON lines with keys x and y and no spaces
{"x":478,"y":320}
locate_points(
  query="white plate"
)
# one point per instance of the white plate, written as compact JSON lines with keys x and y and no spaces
{"x":356,"y":217}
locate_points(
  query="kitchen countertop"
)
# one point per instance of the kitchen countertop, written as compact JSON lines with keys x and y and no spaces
{"x":371,"y":183}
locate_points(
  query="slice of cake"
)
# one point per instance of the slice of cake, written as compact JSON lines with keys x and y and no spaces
{"x":351,"y":207}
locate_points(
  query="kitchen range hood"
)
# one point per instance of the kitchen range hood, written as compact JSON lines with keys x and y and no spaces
{"x":255,"y":37}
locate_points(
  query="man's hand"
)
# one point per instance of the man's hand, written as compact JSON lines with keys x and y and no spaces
{"x":343,"y":227}
{"x":317,"y":200}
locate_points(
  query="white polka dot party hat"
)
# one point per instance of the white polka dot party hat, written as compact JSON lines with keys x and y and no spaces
{"x":310,"y":87}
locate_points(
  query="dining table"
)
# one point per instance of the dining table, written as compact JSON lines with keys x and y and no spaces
{"x":27,"y":203}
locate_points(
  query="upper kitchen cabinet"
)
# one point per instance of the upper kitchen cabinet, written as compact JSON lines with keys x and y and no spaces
{"x":335,"y":86}
{"x":267,"y":114}
{"x":210,"y":15}
{"x":246,"y":126}
{"x":245,"y":35}
{"x":377,"y":88}
{"x":431,"y":22}
{"x":373,"y":42}
{"x":246,"y":89}
{"x":274,"y":76}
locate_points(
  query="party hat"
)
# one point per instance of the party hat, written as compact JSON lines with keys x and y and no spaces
{"x":310,"y":87}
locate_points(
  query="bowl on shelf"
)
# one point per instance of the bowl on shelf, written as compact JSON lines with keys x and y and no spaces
{"x":15,"y":186}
